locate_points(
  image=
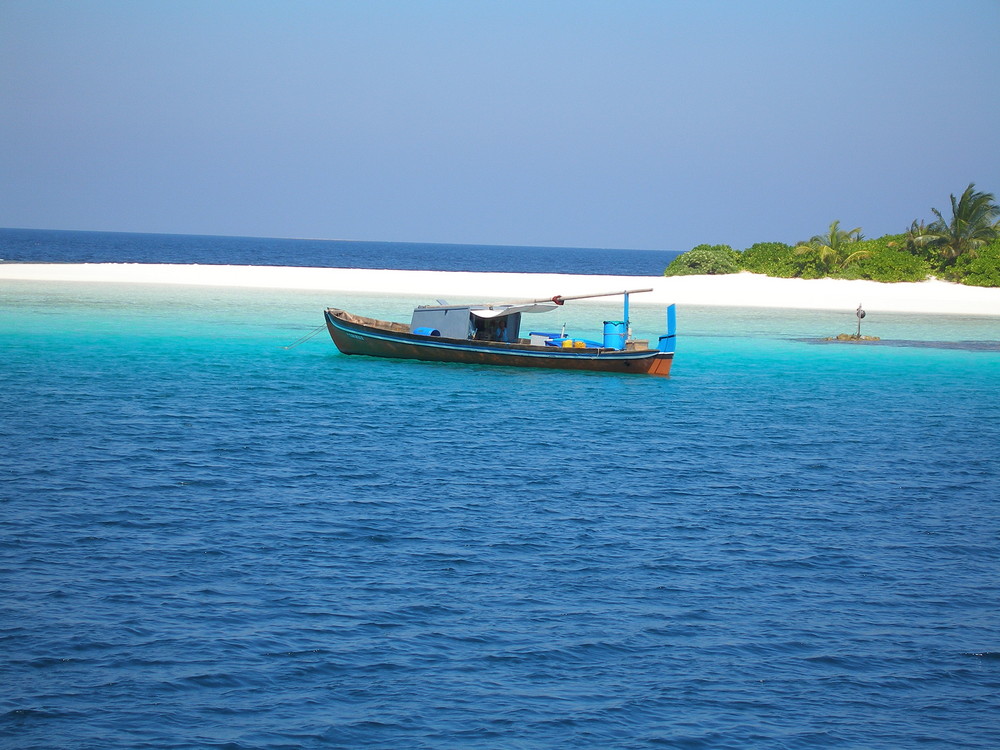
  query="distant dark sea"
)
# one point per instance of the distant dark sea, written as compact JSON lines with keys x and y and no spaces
{"x":52,"y":246}
{"x":211,"y":540}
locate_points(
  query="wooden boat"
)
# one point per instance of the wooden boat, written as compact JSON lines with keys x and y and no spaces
{"x":489,"y":334}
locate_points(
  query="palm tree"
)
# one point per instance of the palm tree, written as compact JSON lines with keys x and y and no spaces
{"x":832,"y":250}
{"x":973,"y":224}
{"x":914,"y":240}
{"x":917,"y":230}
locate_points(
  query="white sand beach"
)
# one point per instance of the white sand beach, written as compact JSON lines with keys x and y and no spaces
{"x":736,"y":290}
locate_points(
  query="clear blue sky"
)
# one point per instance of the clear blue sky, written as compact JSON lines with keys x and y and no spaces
{"x":611,"y":123}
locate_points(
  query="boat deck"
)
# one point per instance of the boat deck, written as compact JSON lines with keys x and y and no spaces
{"x":385,"y":325}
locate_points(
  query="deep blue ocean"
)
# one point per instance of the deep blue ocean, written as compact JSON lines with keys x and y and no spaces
{"x":43,"y":246}
{"x":208,"y":540}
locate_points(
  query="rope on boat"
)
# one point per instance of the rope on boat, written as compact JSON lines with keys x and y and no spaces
{"x":305,"y":338}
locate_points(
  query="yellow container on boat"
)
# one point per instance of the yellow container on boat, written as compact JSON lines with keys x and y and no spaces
{"x":567,"y":343}
{"x":580,"y":344}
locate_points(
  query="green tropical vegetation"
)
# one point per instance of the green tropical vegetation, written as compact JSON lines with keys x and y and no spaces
{"x":706,"y":259}
{"x":964,"y":247}
{"x":833,"y":251}
{"x":973,"y":225}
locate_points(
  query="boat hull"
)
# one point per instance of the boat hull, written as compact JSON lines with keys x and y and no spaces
{"x":366,"y":336}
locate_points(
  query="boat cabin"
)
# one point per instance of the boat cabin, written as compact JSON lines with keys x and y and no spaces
{"x":473,"y":322}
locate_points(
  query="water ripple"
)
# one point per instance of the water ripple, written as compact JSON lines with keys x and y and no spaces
{"x":207,"y":543}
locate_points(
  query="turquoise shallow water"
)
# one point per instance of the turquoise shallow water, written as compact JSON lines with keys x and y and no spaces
{"x":207,"y":540}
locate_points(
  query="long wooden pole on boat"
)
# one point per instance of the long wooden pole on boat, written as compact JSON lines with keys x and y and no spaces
{"x":560,"y":298}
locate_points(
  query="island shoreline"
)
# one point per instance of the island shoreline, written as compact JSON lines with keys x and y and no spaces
{"x":742,"y":290}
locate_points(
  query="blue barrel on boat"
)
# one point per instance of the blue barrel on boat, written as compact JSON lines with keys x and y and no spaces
{"x":614,"y":334}
{"x":426,"y":331}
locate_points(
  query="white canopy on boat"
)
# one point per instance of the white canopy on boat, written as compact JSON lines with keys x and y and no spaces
{"x":500,"y":311}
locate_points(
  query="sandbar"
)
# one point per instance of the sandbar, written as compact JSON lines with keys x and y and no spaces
{"x":735,"y":290}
